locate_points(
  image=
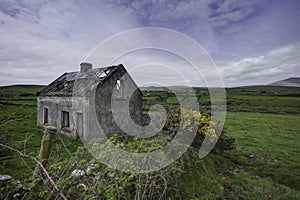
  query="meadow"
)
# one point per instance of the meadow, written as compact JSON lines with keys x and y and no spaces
{"x":263,"y":120}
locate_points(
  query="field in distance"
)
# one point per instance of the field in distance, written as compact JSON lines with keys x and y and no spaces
{"x":264,"y":120}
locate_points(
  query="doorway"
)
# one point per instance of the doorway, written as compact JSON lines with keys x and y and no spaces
{"x":79,"y":125}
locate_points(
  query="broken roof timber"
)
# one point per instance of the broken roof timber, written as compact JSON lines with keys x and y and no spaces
{"x":64,"y":85}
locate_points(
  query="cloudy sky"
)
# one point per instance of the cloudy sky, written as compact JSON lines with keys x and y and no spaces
{"x":252,"y":41}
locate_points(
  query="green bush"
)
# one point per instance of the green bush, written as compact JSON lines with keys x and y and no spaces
{"x":204,"y":125}
{"x":103,"y":182}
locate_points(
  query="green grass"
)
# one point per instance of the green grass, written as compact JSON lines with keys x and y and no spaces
{"x":202,"y":181}
{"x":18,"y":129}
{"x":173,"y":100}
{"x":264,"y":165}
{"x":19,"y":101}
{"x":264,"y":104}
{"x":218,"y":177}
{"x":242,"y":185}
{"x":271,"y":174}
{"x":277,"y":101}
{"x":260,"y":99}
{"x":267,"y":145}
{"x":19,"y":90}
{"x":265,"y":90}
{"x":150,"y":98}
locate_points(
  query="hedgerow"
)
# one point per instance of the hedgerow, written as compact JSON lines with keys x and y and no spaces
{"x":99,"y":181}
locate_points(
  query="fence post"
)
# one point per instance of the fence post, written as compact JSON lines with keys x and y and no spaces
{"x":46,"y":148}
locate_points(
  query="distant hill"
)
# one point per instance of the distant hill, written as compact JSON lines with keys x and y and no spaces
{"x":293,"y":81}
{"x":20,"y":90}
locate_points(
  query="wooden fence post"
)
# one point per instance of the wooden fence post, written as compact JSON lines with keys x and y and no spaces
{"x":46,"y":148}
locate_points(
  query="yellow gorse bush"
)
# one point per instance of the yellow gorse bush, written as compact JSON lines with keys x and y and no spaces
{"x":189,"y":120}
{"x":194,"y":119}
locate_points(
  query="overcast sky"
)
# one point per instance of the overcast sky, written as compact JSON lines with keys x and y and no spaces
{"x":252,"y":42}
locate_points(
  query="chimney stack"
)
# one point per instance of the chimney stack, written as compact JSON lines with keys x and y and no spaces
{"x":84,"y":67}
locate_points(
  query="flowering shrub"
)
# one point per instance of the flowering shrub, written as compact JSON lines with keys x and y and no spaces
{"x":98,"y":181}
{"x":189,"y":120}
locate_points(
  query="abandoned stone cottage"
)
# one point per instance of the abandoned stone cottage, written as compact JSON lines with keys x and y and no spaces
{"x":75,"y":100}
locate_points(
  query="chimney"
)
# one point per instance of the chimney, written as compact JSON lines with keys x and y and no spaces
{"x":84,"y":67}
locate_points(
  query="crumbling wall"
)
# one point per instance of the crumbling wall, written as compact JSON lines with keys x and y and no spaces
{"x":55,"y":106}
{"x":105,"y":96}
{"x":95,"y":110}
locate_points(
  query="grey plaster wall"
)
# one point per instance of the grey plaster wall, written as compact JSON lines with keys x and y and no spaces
{"x":56,"y":105}
{"x":131,"y":98}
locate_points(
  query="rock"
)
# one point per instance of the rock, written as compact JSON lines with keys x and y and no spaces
{"x":77,"y":173}
{"x":20,"y":185}
{"x":90,"y":167}
{"x":81,"y":186}
{"x":111,"y":174}
{"x":5,"y":177}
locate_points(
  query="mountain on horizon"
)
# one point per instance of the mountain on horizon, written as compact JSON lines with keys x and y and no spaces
{"x":293,"y":81}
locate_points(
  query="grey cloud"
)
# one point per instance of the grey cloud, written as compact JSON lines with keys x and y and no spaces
{"x":279,"y":63}
{"x":225,"y":14}
{"x":189,"y":17}
{"x":40,"y":40}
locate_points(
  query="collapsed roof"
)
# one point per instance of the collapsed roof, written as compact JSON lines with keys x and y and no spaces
{"x":64,"y":85}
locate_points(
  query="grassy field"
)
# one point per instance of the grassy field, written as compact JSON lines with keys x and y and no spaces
{"x":264,"y":120}
{"x":257,"y":99}
{"x":268,"y":150}
{"x":264,"y":165}
{"x":18,"y":130}
{"x":20,"y":90}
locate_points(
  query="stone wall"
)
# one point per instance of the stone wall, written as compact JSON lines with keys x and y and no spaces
{"x":98,"y":111}
{"x":108,"y":99}
{"x":55,"y":106}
